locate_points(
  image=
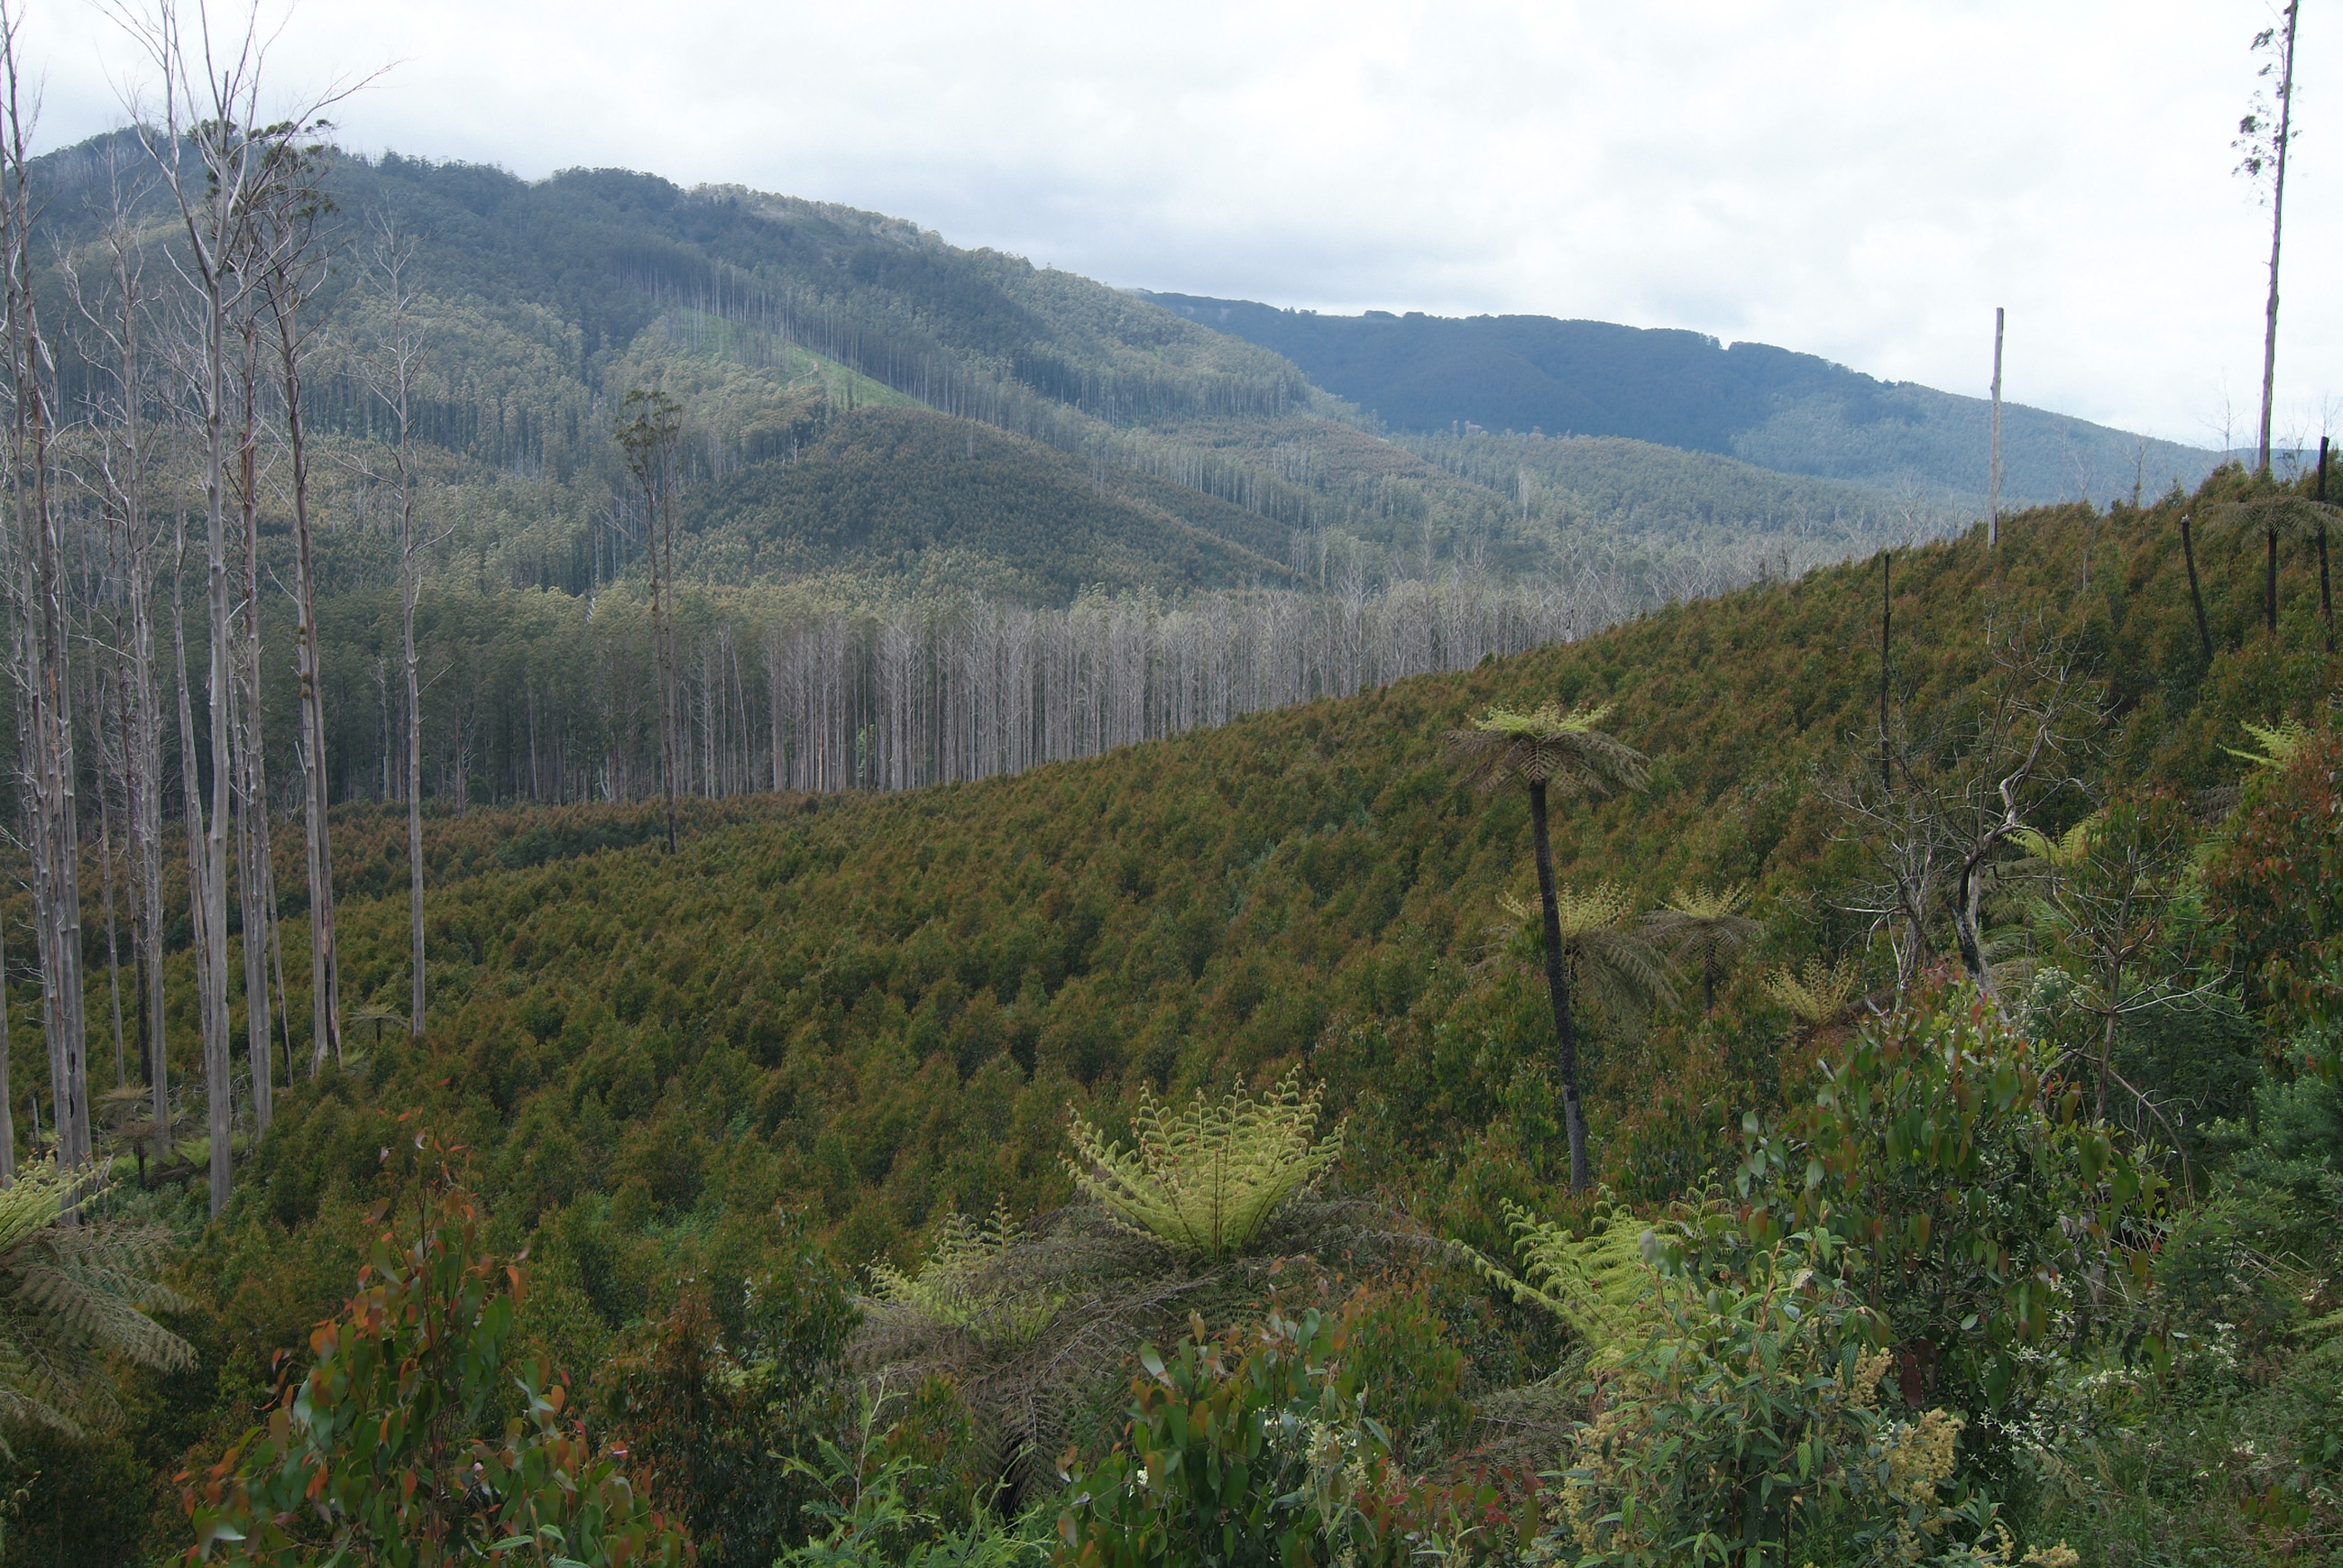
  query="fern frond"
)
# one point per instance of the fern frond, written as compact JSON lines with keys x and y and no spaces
{"x":2281,"y":743}
{"x":1818,"y":993}
{"x":1595,"y":1280}
{"x":957,"y":1286}
{"x":1205,"y":1180}
{"x":72,"y":1297}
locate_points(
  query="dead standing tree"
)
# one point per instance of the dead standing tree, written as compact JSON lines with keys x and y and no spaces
{"x":647,"y":436}
{"x":1956,"y":789}
{"x":114,"y":318}
{"x":392,"y":376}
{"x":2264,"y":135}
{"x":43,"y":633}
{"x":209,"y":143}
{"x":289,"y":202}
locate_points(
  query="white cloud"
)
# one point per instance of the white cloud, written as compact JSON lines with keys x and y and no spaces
{"x":1865,"y":181}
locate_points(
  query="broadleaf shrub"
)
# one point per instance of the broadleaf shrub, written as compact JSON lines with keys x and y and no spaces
{"x":391,"y":1450}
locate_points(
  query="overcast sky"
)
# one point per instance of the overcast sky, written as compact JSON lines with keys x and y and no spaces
{"x":1864,"y":181}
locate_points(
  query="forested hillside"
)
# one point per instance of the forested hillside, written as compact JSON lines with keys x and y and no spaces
{"x":873,"y":1012}
{"x":795,"y":737}
{"x":1790,"y":412}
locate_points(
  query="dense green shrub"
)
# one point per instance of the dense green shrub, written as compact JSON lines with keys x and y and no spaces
{"x":1259,"y":1448}
{"x":714,"y":1411}
{"x":393,"y":1447}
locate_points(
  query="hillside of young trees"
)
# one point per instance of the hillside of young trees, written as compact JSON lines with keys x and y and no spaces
{"x":701,"y":879}
{"x":828,"y":1023}
{"x":1792,"y":413}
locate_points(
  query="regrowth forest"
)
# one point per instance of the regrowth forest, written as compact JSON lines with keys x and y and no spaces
{"x":702,"y":882}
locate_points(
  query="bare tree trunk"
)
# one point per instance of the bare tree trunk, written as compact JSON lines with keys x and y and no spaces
{"x":1993,"y":466}
{"x":211,"y":969}
{"x":2196,"y":594}
{"x":256,"y":881}
{"x":45,"y":641}
{"x":210,"y":105}
{"x":7,"y":1097}
{"x":286,"y":207}
{"x":2278,"y":226}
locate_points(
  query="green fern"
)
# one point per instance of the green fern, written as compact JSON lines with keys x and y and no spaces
{"x":960,"y":1285}
{"x":1207,"y":1179}
{"x":73,"y":1296}
{"x":1818,"y":993}
{"x":2281,"y":743}
{"x":1596,"y":1279}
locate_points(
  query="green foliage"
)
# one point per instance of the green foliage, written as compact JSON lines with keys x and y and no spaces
{"x":874,"y":1514}
{"x":1255,"y":1448}
{"x":1546,"y":745}
{"x":713,"y":1406}
{"x":387,"y":1449}
{"x":1594,"y":1278}
{"x":76,"y":1289}
{"x":1616,"y":970}
{"x":1747,"y":1416}
{"x":1980,"y":1208}
{"x":2277,"y":882}
{"x":1817,"y":994}
{"x":950,"y":1287}
{"x":1206,"y":1180}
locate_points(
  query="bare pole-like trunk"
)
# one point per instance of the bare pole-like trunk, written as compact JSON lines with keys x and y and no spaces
{"x":291,"y":208}
{"x":2196,"y":593}
{"x":7,"y":1096}
{"x":1993,"y":469}
{"x":663,"y":642}
{"x":44,"y":674}
{"x":113,"y":936}
{"x":256,"y":882}
{"x":393,"y":385}
{"x":209,"y":97}
{"x":122,"y":459}
{"x":210,"y":960}
{"x":2326,"y":596}
{"x":2278,"y":225}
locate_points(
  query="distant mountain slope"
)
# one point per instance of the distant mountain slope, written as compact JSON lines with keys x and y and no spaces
{"x":919,"y":495}
{"x":1164,"y":453}
{"x":1792,"y":412}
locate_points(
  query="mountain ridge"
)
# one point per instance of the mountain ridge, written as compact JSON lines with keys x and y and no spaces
{"x":1774,"y":408}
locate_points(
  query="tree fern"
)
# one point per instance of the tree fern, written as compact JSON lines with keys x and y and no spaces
{"x":962,"y":1284}
{"x":1817,"y":994}
{"x":2281,"y":743}
{"x":1594,"y":1279}
{"x":1205,"y":1180}
{"x":70,"y":1297}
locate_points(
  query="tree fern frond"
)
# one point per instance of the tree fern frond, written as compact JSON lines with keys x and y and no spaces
{"x":73,"y":1296}
{"x":1594,"y":1279}
{"x":2281,"y":743}
{"x":1818,"y":993}
{"x":1548,"y":745}
{"x":1206,"y":1179}
{"x":958,"y":1285}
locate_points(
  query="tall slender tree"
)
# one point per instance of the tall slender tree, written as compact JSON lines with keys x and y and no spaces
{"x":2264,"y":135}
{"x":291,"y":202}
{"x":1539,"y":749}
{"x":650,"y":425}
{"x":199,"y":138}
{"x":393,"y":376}
{"x":44,"y":633}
